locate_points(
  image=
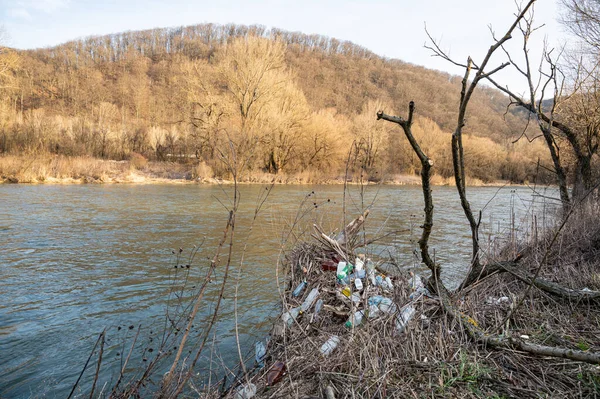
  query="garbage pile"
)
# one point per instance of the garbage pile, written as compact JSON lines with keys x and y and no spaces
{"x":328,"y":299}
{"x":357,"y":289}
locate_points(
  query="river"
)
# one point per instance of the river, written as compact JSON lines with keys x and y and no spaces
{"x":77,"y":259}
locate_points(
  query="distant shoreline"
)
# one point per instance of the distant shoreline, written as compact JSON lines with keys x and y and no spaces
{"x":82,"y":170}
{"x":140,"y":179}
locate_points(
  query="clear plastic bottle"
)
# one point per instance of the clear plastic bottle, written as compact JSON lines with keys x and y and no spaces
{"x":299,"y":289}
{"x":388,"y":282}
{"x":359,"y":264}
{"x":374,"y":311}
{"x":386,"y":305}
{"x":330,"y":345}
{"x":318,"y":306}
{"x":310,"y":299}
{"x":355,"y":319}
{"x":415,"y":282}
{"x":291,"y":315}
{"x":245,"y":391}
{"x":260,"y":352}
{"x":404,"y":317}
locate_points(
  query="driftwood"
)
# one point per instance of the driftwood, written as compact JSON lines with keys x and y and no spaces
{"x":342,"y":244}
{"x":352,"y":229}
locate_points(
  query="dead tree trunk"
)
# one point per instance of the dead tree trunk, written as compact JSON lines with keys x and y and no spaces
{"x":426,"y":165}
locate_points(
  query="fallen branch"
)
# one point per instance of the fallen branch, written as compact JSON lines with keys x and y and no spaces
{"x":549,"y":286}
{"x":513,"y":343}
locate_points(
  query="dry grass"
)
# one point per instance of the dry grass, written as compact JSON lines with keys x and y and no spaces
{"x":137,"y":169}
{"x":62,"y":169}
{"x":40,"y":169}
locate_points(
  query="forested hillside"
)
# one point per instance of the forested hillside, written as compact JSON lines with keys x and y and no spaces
{"x":291,"y":104}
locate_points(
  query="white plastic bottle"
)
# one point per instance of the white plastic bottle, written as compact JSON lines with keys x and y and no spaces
{"x":358,"y":264}
{"x":330,"y":345}
{"x":358,"y":284}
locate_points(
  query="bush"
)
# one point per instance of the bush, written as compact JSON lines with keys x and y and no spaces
{"x":202,"y":171}
{"x":137,"y":161}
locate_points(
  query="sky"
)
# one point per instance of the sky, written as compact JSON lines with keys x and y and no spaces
{"x":393,"y":29}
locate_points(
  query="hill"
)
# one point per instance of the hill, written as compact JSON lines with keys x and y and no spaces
{"x":292,"y":103}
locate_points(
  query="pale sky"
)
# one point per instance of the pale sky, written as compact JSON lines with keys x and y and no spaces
{"x":393,"y":29}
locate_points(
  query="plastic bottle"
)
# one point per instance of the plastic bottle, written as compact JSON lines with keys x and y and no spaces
{"x":415,"y":282}
{"x":355,"y":298}
{"x":340,"y":270}
{"x":358,"y":284}
{"x":386,"y":305}
{"x":373,"y":311}
{"x":359,"y":264}
{"x":420,"y":291}
{"x":245,"y":391}
{"x":310,"y":299}
{"x":260,"y":352}
{"x":404,"y":317}
{"x":389,"y":284}
{"x":369,"y":266}
{"x":355,"y":319}
{"x":291,"y":315}
{"x":379,"y":281}
{"x":344,"y":269}
{"x":299,"y":289}
{"x":346,"y":291}
{"x":318,"y":306}
{"x":330,"y":345}
{"x":371,"y":276}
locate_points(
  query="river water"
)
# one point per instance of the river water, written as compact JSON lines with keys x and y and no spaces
{"x":78,"y":259}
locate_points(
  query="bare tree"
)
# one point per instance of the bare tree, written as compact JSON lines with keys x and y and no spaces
{"x":9,"y":61}
{"x":477,"y":270}
{"x":582,"y":18}
{"x":251,"y":69}
{"x":568,"y":120}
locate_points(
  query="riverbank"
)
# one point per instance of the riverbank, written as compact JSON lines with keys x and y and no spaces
{"x":85,"y":170}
